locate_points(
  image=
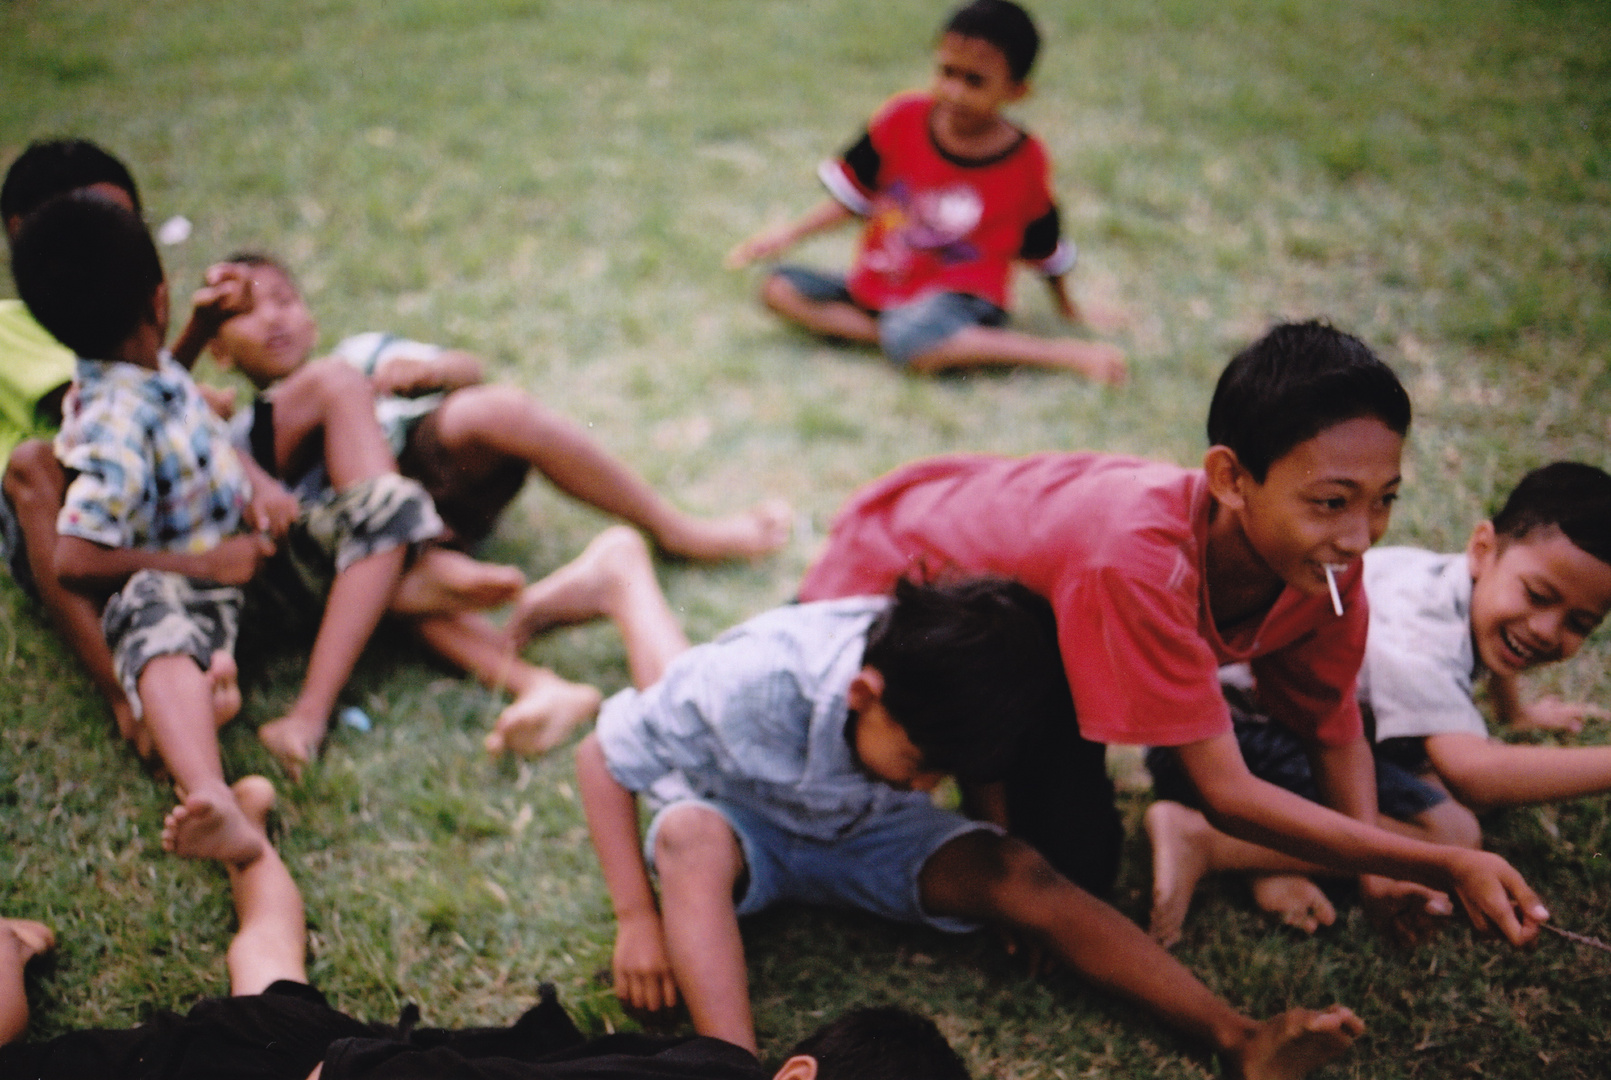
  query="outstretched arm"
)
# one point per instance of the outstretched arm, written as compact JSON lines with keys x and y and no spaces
{"x":1244,"y":806}
{"x":410,"y":376}
{"x":772,"y":242}
{"x":641,"y":965}
{"x":1485,"y":773}
{"x":1546,"y":714}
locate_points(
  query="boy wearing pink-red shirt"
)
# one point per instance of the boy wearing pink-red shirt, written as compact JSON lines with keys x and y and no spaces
{"x":1159,"y":575}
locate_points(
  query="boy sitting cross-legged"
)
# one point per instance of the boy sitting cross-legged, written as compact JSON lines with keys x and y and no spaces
{"x":1160,"y":575}
{"x":1531,"y":585}
{"x":953,"y":194}
{"x":163,"y":517}
{"x":791,"y":759}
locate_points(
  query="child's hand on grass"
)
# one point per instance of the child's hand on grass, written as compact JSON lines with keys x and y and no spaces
{"x":642,"y":971}
{"x":1553,"y":714}
{"x":1495,"y":897}
{"x":1406,"y":913}
{"x":766,"y":244}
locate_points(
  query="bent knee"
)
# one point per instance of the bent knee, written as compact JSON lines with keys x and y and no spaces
{"x":695,"y":838}
{"x":779,"y":294}
{"x":32,"y":472}
{"x":1451,"y":823}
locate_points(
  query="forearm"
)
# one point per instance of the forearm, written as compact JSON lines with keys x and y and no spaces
{"x":454,"y":368}
{"x":612,"y":821}
{"x":96,"y":571}
{"x":828,"y":214}
{"x":197,"y":332}
{"x":1057,"y":285}
{"x":1486,"y":773}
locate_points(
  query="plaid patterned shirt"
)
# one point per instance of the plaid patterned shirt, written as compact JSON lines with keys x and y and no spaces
{"x":154,"y":465}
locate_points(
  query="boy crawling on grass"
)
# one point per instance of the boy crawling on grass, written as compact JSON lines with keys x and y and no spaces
{"x":791,"y":759}
{"x":1531,"y":585}
{"x":276,"y":1026}
{"x":472,"y":446}
{"x":953,"y":194}
{"x":165,"y":523}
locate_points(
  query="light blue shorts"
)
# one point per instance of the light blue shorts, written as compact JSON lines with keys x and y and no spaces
{"x":909,"y":329}
{"x":874,"y":868}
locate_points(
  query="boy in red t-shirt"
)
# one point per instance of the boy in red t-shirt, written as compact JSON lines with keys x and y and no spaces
{"x":1158,"y":575}
{"x":952,"y":193}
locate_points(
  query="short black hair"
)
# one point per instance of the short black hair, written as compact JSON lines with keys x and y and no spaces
{"x":970,"y":666}
{"x":52,"y":167}
{"x":882,"y":1043}
{"x":1567,"y":495}
{"x":88,"y":271}
{"x":1295,"y":382}
{"x":1003,"y":24}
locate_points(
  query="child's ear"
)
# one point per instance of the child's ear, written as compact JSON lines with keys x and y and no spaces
{"x":1020,"y":90}
{"x":799,"y":1067}
{"x":867,"y":688}
{"x":159,"y":306}
{"x":1227,"y":480}
{"x":1482,"y":549}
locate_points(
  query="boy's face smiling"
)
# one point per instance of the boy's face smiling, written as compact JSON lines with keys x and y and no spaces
{"x":275,"y":337}
{"x":1323,"y":502}
{"x":971,"y":84}
{"x":881,"y":745}
{"x":1533,"y":600}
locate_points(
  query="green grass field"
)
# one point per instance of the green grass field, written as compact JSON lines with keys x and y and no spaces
{"x":552,"y":184}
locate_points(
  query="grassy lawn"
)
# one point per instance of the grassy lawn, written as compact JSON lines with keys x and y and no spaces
{"x":552,"y":184}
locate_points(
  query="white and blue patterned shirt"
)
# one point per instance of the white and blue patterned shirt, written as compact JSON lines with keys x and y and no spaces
{"x":154,"y":464}
{"x":757,"y":718}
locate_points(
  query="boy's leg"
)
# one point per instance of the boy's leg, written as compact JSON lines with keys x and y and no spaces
{"x":445,"y":582}
{"x":479,"y":429}
{"x":271,"y":941}
{"x":325,"y":410}
{"x":35,"y":483}
{"x":546,"y":708}
{"x":699,"y":862}
{"x":990,"y":345}
{"x":208,"y":823}
{"x":20,"y":941}
{"x":988,"y":878}
{"x":614,"y":578}
{"x":828,"y":315}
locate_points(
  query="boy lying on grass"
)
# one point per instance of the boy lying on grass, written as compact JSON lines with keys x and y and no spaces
{"x":791,"y":759}
{"x":1531,"y":585}
{"x":1161,"y":574}
{"x":165,"y":523}
{"x":275,"y":1026}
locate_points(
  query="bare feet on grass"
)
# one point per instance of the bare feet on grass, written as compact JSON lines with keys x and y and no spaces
{"x":210,"y":824}
{"x":31,"y":938}
{"x":443,"y":581}
{"x":1296,"y":1043}
{"x":760,"y":530}
{"x":1096,"y":360}
{"x":593,"y":585}
{"x":1295,"y":900}
{"x":1179,"y":837}
{"x":294,"y":740}
{"x":543,"y":716}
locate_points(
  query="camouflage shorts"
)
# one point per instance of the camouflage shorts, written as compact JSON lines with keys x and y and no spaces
{"x":335,"y":530}
{"x":158,"y":614}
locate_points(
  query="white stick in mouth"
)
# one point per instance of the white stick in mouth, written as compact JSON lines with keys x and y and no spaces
{"x":1331,"y":583}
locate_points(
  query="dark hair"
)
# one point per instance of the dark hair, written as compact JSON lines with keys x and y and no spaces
{"x":52,"y":167}
{"x":969,"y":667}
{"x":1295,"y":382}
{"x":253,"y":257}
{"x":1568,"y":495}
{"x":883,"y":1043}
{"x":1003,"y":24}
{"x":87,"y":270}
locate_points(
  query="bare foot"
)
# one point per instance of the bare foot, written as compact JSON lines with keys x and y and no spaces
{"x":224,"y":680}
{"x":760,"y":530}
{"x":293,"y":740}
{"x":32,"y":938}
{"x":1296,"y":1043}
{"x":1295,"y":900}
{"x":587,"y":587}
{"x":543,"y":717}
{"x":210,"y":824}
{"x":443,"y":582}
{"x":1179,"y":837}
{"x":1097,"y":361}
{"x":255,"y":796}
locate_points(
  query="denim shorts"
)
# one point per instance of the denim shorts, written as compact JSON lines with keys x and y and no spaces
{"x":1277,"y":755}
{"x":874,"y":868}
{"x":906,"y":330}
